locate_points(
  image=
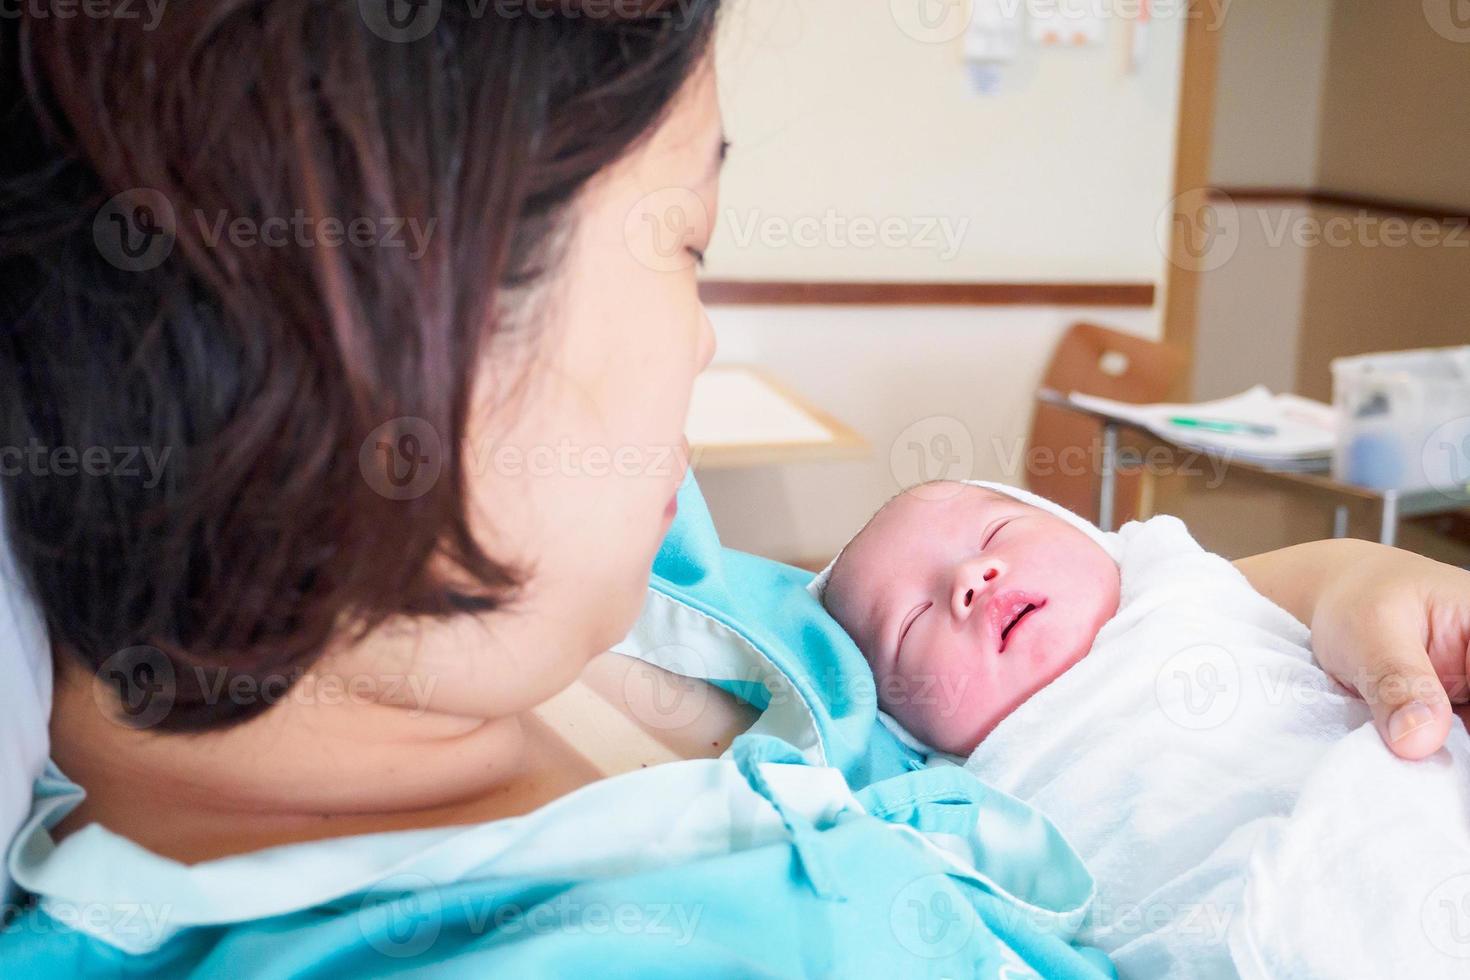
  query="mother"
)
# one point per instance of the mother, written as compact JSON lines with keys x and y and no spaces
{"x":378,"y":287}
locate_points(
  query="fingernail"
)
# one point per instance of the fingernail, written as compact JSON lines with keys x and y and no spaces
{"x":1408,"y":719}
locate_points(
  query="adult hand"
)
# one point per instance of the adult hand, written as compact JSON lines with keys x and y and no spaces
{"x":1392,"y":625}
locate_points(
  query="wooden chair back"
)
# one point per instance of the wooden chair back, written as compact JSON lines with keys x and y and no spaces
{"x":1061,"y":462}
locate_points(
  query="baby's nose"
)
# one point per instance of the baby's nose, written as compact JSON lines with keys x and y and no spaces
{"x":971,"y":580}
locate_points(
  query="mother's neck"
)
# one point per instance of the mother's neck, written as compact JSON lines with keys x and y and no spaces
{"x":298,"y":756}
{"x":314,"y":766}
{"x":321,"y":761}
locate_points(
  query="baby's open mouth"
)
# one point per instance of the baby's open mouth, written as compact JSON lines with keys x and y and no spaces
{"x":1013,"y":607}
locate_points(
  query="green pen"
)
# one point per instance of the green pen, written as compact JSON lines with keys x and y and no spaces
{"x":1223,"y":425}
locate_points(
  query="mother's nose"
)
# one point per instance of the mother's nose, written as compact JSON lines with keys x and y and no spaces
{"x":971,"y":579}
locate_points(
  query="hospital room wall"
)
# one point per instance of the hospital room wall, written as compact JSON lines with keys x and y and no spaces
{"x":1324,"y":97}
{"x":834,"y":110}
{"x":898,"y":375}
{"x":1395,"y":125}
{"x":1268,"y":104}
{"x":1332,"y":97}
{"x":1395,"y":118}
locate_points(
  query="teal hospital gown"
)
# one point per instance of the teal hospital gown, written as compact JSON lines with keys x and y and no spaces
{"x":818,"y":846}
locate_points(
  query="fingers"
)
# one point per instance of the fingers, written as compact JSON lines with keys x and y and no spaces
{"x":1409,"y":704}
{"x":1416,"y":729}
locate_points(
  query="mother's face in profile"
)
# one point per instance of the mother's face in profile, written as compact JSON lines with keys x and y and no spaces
{"x":456,"y":459}
{"x":575,"y":479}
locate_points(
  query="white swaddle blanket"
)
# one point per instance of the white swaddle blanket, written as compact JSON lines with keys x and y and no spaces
{"x":1236,"y":806}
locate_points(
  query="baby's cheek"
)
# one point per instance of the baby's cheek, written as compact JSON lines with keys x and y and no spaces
{"x":958,"y":731}
{"x":907,"y":698}
{"x":949,"y":712}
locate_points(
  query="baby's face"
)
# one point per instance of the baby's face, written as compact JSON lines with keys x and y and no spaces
{"x":966,"y":602}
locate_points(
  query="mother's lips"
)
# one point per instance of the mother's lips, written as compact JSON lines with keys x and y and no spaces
{"x":1008,"y":610}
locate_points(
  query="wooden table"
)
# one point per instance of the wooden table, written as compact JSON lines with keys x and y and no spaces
{"x":740,"y":417}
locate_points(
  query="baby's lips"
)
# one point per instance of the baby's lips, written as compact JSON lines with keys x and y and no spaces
{"x":1003,"y":609}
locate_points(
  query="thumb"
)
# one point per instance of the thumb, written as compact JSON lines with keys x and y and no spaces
{"x":1409,"y":704}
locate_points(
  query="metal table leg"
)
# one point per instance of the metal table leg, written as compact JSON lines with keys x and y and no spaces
{"x":1108,"y":479}
{"x":1389,"y":530}
{"x":1340,"y":521}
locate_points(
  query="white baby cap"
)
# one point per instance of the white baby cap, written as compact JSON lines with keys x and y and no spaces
{"x":1107,"y":540}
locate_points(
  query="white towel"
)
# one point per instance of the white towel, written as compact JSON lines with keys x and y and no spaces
{"x":1236,"y":806}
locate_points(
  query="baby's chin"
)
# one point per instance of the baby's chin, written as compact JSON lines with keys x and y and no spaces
{"x":956,"y":727}
{"x":957,"y":734}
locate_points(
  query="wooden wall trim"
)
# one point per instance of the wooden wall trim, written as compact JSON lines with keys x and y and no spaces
{"x":779,"y":293}
{"x":1412,"y":210}
{"x":1198,"y":69}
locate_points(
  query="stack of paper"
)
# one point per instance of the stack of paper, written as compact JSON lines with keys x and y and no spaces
{"x":1284,"y":432}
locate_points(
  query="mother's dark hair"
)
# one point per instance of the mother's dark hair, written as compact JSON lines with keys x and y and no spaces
{"x":259,"y":370}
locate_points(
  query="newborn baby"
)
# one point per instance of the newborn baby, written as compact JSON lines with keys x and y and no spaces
{"x":966,"y":601}
{"x":1236,"y":807}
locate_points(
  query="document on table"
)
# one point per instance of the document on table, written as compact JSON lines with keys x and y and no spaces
{"x":1303,"y":436}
